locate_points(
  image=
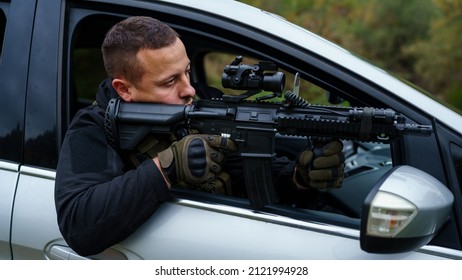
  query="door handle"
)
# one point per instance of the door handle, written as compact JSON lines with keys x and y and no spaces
{"x":62,"y":252}
{"x":59,"y":252}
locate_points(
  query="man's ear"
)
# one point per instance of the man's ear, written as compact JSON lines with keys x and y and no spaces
{"x":123,"y":89}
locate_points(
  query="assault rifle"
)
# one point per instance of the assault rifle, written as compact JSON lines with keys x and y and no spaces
{"x":253,"y":125}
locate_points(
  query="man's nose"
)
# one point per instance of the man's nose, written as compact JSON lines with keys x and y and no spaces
{"x":187,"y":90}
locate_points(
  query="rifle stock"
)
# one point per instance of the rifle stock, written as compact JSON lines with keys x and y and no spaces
{"x":253,"y":126}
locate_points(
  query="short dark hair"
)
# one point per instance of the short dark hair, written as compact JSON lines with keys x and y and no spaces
{"x":126,"y":38}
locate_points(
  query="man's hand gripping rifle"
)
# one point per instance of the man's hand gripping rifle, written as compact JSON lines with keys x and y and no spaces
{"x":253,"y":125}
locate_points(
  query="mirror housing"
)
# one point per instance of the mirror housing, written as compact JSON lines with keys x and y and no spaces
{"x":403,"y":211}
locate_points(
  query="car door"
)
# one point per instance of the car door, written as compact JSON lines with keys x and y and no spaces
{"x":208,"y":226}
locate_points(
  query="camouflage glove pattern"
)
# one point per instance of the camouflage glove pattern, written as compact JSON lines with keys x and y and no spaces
{"x":195,"y":159}
{"x":320,"y":168}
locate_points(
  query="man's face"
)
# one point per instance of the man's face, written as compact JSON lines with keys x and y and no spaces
{"x":165,"y":79}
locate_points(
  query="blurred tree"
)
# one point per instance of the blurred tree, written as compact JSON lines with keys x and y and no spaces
{"x":415,"y":39}
{"x":385,"y":28}
{"x":439,"y":59}
{"x":375,"y":29}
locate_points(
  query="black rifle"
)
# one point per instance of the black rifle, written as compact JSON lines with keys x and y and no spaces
{"x":253,"y":125}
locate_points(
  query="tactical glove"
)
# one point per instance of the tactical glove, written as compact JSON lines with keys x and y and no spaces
{"x":320,"y":167}
{"x":195,"y":159}
{"x":220,"y":185}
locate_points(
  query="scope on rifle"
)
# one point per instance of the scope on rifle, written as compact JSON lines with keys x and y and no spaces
{"x":253,"y":77}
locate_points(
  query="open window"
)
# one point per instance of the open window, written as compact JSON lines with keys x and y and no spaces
{"x":365,"y":162}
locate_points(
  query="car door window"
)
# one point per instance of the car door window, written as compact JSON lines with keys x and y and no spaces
{"x":87,"y":72}
{"x":11,"y":110}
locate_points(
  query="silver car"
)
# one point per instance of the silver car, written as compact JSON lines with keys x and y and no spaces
{"x":400,"y":200}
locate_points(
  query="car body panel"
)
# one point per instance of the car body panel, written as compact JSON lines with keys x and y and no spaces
{"x":250,"y":238}
{"x":34,"y":209}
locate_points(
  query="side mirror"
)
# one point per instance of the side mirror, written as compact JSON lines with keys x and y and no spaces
{"x":403,"y":211}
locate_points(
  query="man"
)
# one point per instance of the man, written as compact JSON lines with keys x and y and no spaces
{"x":101,"y":195}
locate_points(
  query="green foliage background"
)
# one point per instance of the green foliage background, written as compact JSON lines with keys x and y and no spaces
{"x":418,"y":40}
